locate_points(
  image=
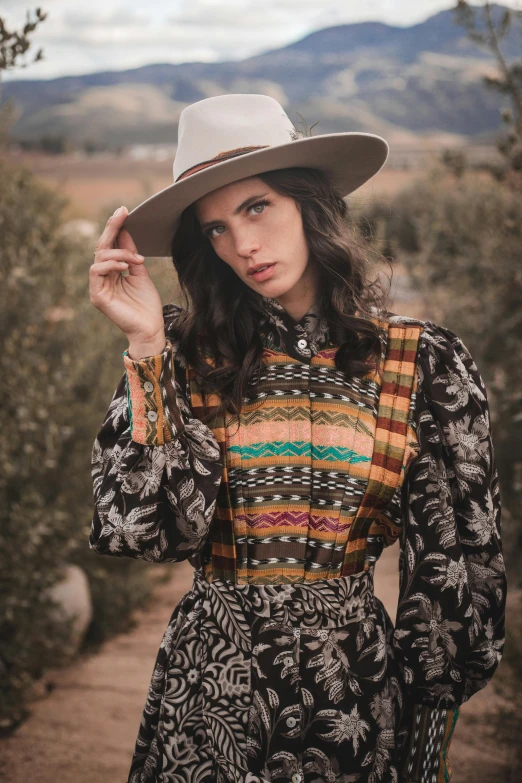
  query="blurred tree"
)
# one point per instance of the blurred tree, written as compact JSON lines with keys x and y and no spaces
{"x":455,"y":160}
{"x":54,"y":144}
{"x":460,"y":238}
{"x":90,"y":146}
{"x":57,"y":375}
{"x":487,"y":26}
{"x":14,"y":44}
{"x":58,"y":372}
{"x":458,"y":234}
{"x":467,"y":267}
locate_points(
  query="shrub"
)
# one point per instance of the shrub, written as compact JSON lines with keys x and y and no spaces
{"x":58,"y":367}
{"x":460,"y":240}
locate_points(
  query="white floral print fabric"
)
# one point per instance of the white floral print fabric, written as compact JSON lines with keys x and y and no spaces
{"x":305,"y":683}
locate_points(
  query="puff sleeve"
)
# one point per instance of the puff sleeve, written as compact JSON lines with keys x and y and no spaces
{"x":156,"y":469}
{"x":449,"y":631}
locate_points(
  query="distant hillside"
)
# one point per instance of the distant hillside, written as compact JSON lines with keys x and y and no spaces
{"x":402,"y":82}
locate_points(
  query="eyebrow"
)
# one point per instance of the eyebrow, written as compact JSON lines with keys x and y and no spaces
{"x":205,"y":226}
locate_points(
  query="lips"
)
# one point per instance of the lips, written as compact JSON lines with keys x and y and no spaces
{"x":263,"y":274}
{"x":258,"y":268}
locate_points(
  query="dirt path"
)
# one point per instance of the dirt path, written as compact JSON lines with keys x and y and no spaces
{"x":84,"y":731}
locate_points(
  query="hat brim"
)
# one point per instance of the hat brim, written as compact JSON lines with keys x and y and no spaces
{"x":349,"y":158}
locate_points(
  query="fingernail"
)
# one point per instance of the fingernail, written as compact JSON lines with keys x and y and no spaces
{"x":142,"y":258}
{"x":117,"y":211}
{"x":123,"y":263}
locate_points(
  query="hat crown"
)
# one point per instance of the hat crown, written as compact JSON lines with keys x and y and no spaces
{"x":216,"y":127}
{"x":227,"y":138}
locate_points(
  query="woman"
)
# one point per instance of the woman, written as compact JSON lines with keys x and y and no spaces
{"x":278,"y":432}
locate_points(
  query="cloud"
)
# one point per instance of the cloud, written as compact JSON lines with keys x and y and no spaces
{"x":113,"y":35}
{"x":108,"y":20}
{"x":236,"y":14}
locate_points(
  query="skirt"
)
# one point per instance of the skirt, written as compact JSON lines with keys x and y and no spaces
{"x":284,"y":683}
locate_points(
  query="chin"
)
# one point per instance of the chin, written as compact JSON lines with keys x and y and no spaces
{"x":276,"y":293}
{"x":274,"y":289}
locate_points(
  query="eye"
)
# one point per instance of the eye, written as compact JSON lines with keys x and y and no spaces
{"x":209,"y":233}
{"x":261,"y":203}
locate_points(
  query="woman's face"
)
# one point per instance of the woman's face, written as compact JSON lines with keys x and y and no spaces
{"x":250,"y":225}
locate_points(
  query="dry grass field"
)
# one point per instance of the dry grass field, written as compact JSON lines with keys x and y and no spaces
{"x":94,"y":184}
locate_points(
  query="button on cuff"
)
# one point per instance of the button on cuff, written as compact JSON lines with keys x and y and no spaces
{"x":290,"y":722}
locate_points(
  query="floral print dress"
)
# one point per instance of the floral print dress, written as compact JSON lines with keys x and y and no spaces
{"x":283,"y":669}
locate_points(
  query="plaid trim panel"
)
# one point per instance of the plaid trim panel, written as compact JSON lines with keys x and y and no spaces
{"x":392,"y":437}
{"x":426,"y":759}
{"x":154,"y":415}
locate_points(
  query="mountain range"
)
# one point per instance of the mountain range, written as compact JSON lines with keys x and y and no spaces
{"x":407,"y":83}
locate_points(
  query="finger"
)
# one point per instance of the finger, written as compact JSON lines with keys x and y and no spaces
{"x":125,"y":240}
{"x":99,"y":271}
{"x":102,"y":268}
{"x":112,"y":227}
{"x":117,"y":255}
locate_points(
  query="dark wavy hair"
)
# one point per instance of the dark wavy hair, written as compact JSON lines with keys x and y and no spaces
{"x":221,"y":312}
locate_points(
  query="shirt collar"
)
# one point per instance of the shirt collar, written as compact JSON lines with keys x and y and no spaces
{"x":300,"y":339}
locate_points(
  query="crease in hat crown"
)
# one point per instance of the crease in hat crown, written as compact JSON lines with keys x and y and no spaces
{"x":222,"y":127}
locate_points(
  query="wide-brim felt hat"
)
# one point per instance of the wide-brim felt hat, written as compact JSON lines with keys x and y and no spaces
{"x":229,"y":137}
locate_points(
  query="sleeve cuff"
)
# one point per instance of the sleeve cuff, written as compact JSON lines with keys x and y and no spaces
{"x":154,"y":416}
{"x":425,"y":754}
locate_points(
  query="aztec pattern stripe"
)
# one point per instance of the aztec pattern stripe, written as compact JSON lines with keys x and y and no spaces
{"x":167,"y":384}
{"x":159,"y":371}
{"x":221,"y":535}
{"x":448,"y":735}
{"x":382,"y":526}
{"x":312,"y":395}
{"x":387,"y":469}
{"x":303,"y":455}
{"x":427,"y":757}
{"x":144,"y":430}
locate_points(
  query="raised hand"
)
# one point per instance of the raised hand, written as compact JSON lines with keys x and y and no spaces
{"x":132,"y":302}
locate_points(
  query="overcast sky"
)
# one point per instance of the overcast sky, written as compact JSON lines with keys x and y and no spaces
{"x":114,"y":35}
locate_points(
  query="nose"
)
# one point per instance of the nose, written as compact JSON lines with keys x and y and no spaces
{"x":246,"y":243}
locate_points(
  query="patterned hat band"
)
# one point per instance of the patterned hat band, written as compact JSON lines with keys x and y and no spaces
{"x":218,"y":158}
